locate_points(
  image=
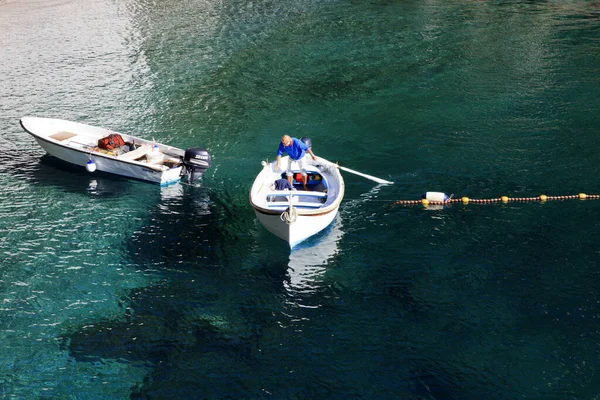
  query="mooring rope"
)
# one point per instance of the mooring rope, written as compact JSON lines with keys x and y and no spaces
{"x":289,"y":216}
{"x":504,"y":199}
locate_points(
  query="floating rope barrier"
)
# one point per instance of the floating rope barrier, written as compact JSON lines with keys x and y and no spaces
{"x":504,"y":199}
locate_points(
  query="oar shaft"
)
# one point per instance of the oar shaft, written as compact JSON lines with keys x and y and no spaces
{"x":373,"y":178}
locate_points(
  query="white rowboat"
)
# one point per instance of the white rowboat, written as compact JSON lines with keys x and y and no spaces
{"x":295,"y":215}
{"x":77,"y":143}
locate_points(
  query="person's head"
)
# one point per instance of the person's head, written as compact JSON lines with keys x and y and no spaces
{"x":286,"y":140}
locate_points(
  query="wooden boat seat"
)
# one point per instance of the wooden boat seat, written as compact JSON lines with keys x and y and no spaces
{"x":301,"y":204}
{"x":137,"y":153}
{"x":278,"y":198}
{"x":63,"y":135}
{"x":297,"y":193}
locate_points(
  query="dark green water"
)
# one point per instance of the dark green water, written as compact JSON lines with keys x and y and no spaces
{"x":137,"y":291}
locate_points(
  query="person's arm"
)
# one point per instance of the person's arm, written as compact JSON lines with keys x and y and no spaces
{"x":280,"y":150}
{"x":309,"y":151}
{"x":277,"y":163}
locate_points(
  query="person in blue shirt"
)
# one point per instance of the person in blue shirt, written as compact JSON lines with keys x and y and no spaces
{"x":295,"y":149}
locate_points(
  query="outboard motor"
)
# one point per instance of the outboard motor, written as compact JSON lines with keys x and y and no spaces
{"x":195,"y":161}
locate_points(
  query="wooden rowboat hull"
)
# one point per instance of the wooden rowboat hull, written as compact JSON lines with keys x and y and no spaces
{"x":304,"y":227}
{"x":309,"y":217}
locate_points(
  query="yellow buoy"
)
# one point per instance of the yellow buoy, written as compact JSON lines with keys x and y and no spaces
{"x":582,"y":196}
{"x":543,"y":197}
{"x":465,"y":200}
{"x":425,"y":202}
{"x":505,"y":199}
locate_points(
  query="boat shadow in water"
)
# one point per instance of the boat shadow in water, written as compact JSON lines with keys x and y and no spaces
{"x":187,"y":314}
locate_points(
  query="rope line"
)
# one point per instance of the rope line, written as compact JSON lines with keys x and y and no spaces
{"x":504,"y":199}
{"x":289,"y":216}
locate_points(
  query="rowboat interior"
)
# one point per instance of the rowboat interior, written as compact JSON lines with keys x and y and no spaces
{"x":314,"y":196}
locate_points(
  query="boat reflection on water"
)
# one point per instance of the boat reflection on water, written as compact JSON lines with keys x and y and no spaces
{"x":184,"y":199}
{"x":171,"y":192}
{"x":309,"y":260}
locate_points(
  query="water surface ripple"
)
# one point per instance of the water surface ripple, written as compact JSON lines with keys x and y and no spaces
{"x":135,"y":291}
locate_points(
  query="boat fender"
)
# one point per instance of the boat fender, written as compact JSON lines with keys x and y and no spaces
{"x":435,"y":196}
{"x":90,"y":166}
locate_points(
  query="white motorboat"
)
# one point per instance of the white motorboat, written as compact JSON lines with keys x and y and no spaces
{"x":295,"y":215}
{"x":133,"y":157}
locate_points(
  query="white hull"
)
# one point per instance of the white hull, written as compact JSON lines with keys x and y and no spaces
{"x":312,"y":212}
{"x":76,"y":143}
{"x":105,"y":164}
{"x":304,"y":227}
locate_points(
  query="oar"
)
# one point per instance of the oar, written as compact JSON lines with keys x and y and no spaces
{"x":373,"y":178}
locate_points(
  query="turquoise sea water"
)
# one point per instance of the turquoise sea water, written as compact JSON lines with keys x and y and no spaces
{"x":136,"y":291}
